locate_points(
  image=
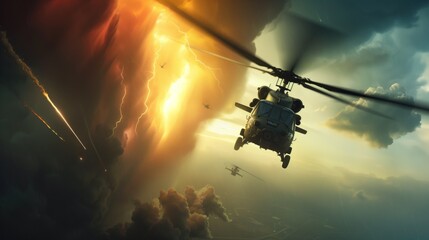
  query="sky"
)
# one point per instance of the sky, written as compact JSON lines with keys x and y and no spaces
{"x":147,"y":159}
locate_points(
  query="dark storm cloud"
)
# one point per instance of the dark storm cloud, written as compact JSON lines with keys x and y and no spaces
{"x":360,"y":19}
{"x":46,"y":191}
{"x":49,"y":188}
{"x":381,"y":48}
{"x":343,"y":25}
{"x":173,"y":216}
{"x":386,"y":58}
{"x":378,"y":131}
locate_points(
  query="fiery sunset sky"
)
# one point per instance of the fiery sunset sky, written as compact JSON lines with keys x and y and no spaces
{"x":129,"y":81}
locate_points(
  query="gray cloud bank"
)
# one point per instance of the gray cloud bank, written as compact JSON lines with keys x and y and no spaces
{"x":378,"y":131}
{"x":382,"y":48}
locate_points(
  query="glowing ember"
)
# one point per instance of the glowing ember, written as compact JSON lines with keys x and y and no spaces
{"x":44,"y":122}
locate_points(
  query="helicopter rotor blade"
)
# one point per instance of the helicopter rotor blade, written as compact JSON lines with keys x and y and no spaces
{"x":221,"y":56}
{"x":295,"y":63}
{"x":217,"y":35}
{"x":369,"y":110}
{"x":361,"y":94}
{"x":303,"y":36}
{"x":230,"y":60}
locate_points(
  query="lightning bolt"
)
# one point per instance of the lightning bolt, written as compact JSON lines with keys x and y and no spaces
{"x":44,"y":122}
{"x":188,"y":46}
{"x":153,"y":74}
{"x":30,"y":74}
{"x":160,"y":39}
{"x":122,"y":102}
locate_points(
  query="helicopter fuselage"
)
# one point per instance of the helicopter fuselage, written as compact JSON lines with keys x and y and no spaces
{"x":272,"y":122}
{"x":270,"y":126}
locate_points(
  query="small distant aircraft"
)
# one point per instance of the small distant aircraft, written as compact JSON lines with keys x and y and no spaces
{"x":235,"y":170}
{"x":206,"y":106}
{"x":163,"y":65}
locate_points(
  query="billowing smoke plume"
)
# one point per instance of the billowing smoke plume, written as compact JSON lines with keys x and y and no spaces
{"x":172,"y":216}
{"x":379,"y":132}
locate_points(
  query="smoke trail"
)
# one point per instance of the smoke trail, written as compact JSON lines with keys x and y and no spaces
{"x":29,"y":72}
{"x":44,"y":122}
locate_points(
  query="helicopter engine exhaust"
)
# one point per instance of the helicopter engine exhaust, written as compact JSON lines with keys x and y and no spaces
{"x":263,"y":92}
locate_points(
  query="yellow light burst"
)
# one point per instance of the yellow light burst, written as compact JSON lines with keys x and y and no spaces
{"x":176,"y":88}
{"x":174,"y":99}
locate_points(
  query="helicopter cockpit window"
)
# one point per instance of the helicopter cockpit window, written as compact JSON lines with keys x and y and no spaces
{"x":264,"y":109}
{"x":275,"y":113}
{"x":287,"y":116}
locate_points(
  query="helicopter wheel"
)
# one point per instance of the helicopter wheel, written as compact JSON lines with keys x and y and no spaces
{"x":285,"y":161}
{"x":238,"y":143}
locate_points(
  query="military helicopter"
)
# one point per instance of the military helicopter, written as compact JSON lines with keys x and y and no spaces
{"x":235,"y":170}
{"x":272,"y":122}
{"x":207,"y":106}
{"x":273,"y":118}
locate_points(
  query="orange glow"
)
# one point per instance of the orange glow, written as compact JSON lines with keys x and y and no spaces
{"x":178,"y":78}
{"x":163,"y":82}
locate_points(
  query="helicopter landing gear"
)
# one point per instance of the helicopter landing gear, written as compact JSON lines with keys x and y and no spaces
{"x":238,"y":143}
{"x":285,"y":160}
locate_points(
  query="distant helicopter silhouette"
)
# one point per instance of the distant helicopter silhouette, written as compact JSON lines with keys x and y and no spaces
{"x":235,"y":170}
